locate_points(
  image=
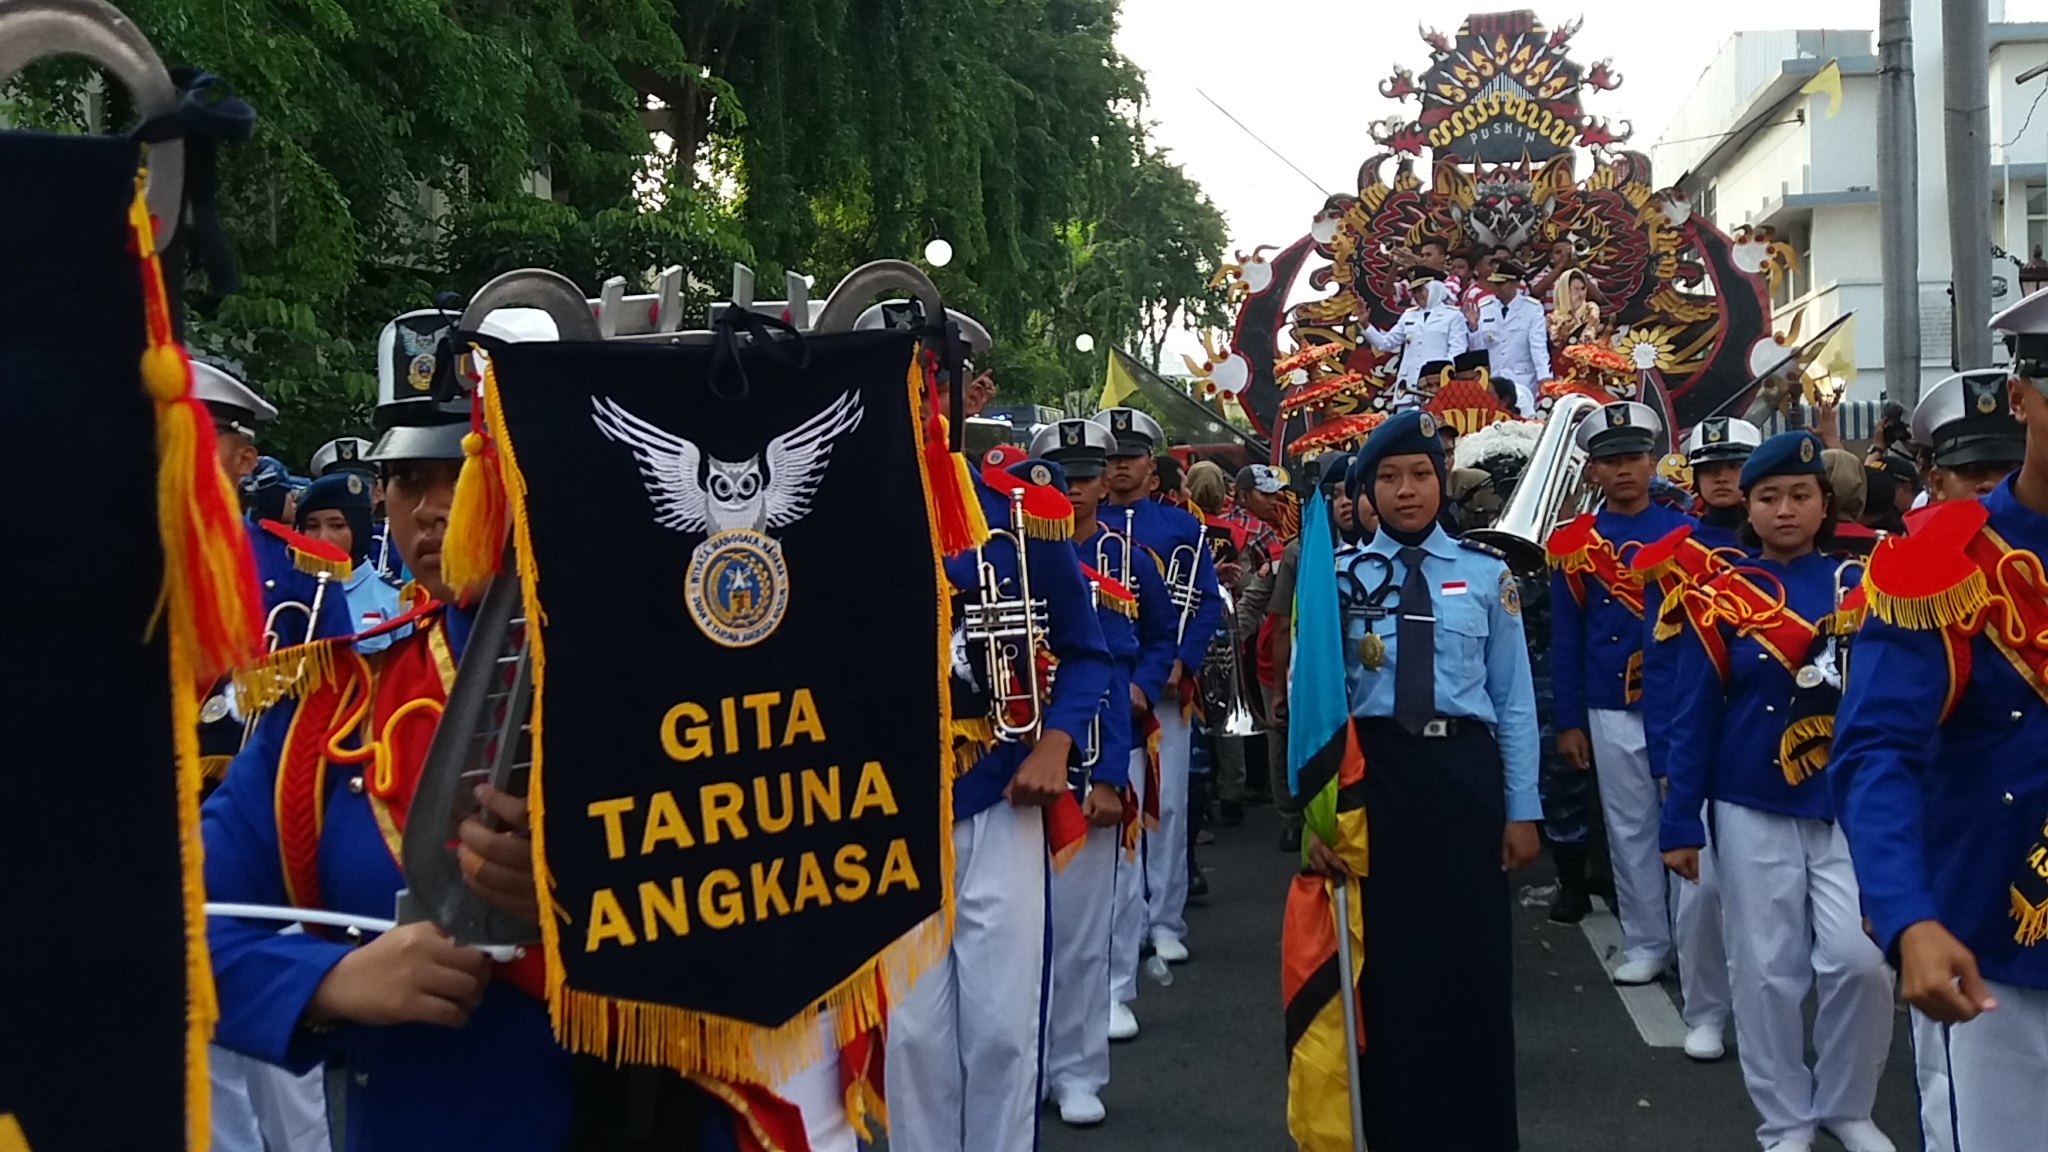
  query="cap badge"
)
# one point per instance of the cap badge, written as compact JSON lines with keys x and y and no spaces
{"x":1987,"y":403}
{"x":1041,"y":475}
{"x":1070,"y":435}
{"x":1713,"y":435}
{"x":1617,"y":416}
{"x":1121,"y":420}
{"x":1806,"y":451}
{"x":345,"y":450}
{"x":355,"y":484}
{"x":1426,"y":425}
{"x":420,"y":373}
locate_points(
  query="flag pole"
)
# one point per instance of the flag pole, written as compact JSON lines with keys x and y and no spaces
{"x":1347,"y":987}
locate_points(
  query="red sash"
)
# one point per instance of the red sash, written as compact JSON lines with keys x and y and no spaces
{"x":1578,"y":550}
{"x":377,"y":717}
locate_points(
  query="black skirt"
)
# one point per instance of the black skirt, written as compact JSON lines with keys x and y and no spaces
{"x":1439,"y":1062}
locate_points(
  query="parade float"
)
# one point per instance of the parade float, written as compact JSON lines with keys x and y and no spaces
{"x":1500,"y":152}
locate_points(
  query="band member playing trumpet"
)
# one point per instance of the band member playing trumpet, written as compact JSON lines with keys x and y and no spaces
{"x":1760,"y":673}
{"x":1084,"y":892}
{"x":1445,"y":711}
{"x":963,"y":1053}
{"x":1165,"y":673}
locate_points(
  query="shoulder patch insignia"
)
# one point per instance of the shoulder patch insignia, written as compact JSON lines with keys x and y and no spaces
{"x":1510,"y":593}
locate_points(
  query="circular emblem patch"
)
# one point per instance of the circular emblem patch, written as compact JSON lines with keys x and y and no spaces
{"x":1428,"y":425}
{"x":737,"y":587}
{"x":1806,"y":451}
{"x":1510,"y":594}
{"x":1041,"y":475}
{"x":355,"y":484}
{"x":420,"y":373}
{"x":1987,"y":403}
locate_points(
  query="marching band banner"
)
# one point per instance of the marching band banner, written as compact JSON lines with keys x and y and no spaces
{"x":740,"y":792}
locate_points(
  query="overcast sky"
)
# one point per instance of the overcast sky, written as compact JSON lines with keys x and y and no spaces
{"x":1305,"y":74}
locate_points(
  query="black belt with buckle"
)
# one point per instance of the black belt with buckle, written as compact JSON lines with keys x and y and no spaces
{"x":1435,"y":729}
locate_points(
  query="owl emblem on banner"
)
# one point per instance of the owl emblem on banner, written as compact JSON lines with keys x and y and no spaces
{"x":737,"y":586}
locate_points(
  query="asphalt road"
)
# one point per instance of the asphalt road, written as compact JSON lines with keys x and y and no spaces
{"x":1208,"y":1073}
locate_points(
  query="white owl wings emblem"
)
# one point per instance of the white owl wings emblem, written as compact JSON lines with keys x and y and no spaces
{"x":733,"y":495}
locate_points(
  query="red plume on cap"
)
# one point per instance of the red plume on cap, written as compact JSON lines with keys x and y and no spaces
{"x":1048,"y":514}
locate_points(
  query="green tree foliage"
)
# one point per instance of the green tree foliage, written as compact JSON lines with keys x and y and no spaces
{"x":406,"y":148}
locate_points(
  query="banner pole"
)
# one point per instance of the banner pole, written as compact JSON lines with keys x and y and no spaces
{"x":1347,"y":987}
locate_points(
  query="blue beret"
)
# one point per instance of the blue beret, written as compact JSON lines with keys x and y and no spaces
{"x":1041,"y":472}
{"x":338,"y":490}
{"x":1404,"y":434}
{"x":1786,"y":454}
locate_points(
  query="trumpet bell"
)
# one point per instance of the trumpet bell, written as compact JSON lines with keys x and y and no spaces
{"x":1552,"y":489}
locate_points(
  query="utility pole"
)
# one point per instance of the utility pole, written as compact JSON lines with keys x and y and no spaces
{"x":1898,"y":187}
{"x":1966,"y":152}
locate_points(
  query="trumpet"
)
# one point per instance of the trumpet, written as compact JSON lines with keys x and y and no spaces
{"x":1090,"y":752}
{"x":1011,"y":631}
{"x":1181,"y":566}
{"x":273,"y":639}
{"x":1222,"y":678}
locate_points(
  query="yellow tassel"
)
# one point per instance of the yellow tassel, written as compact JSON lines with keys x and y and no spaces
{"x":1045,"y":528}
{"x":2033,"y":920}
{"x":313,"y":565}
{"x":292,"y":671}
{"x":475,"y":546}
{"x":977,"y":522}
{"x":1121,"y":606}
{"x":1804,"y":749}
{"x":202,"y":1009}
{"x":1954,"y":606}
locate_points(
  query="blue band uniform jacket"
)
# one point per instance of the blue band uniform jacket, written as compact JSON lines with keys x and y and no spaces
{"x":1072,"y":633}
{"x":1593,"y":644}
{"x":1723,"y":741}
{"x":1161,"y":528}
{"x":1941,"y":786}
{"x":1120,"y":636}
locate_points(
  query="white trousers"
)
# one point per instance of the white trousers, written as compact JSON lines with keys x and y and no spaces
{"x":1998,"y":1067}
{"x":1128,"y":916}
{"x":962,"y":1069}
{"x":1632,"y":804}
{"x":1077,"y":1019}
{"x":1702,"y":955}
{"x":1166,"y":850}
{"x":1930,"y":1074}
{"x":259,"y":1106}
{"x":817,"y":1092}
{"x":1788,"y":893}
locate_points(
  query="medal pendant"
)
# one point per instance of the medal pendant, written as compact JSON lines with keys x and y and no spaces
{"x":1808,"y":677}
{"x":1372,"y":652}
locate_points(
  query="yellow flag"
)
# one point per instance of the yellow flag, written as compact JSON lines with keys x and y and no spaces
{"x":1828,"y":80}
{"x":1119,"y":385}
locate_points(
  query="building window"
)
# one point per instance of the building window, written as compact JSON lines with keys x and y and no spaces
{"x":2037,"y":219}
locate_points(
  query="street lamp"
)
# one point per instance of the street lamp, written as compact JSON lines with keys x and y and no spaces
{"x":938,"y":253}
{"x":1086,"y":343}
{"x":2034,"y":274}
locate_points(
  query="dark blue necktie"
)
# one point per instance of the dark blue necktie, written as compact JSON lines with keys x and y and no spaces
{"x":1415,"y":653}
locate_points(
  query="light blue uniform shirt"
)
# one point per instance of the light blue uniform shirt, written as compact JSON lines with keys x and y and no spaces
{"x":1482,"y":658}
{"x":371,"y":601}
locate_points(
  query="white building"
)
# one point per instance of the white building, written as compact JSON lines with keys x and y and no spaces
{"x":1750,"y":148}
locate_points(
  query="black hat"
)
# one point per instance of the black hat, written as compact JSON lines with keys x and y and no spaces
{"x":1471,"y":361}
{"x":1505,"y":272}
{"x":1081,"y":447}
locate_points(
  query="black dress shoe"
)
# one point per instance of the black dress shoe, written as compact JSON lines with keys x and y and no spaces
{"x":1198,"y":884}
{"x":1290,"y":840}
{"x":1571,"y":906}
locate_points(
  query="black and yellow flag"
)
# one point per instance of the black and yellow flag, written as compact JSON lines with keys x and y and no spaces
{"x":740,"y":788}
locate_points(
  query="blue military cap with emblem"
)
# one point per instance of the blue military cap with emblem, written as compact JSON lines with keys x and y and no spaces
{"x":1042,"y":473}
{"x":1082,"y":447}
{"x":1403,"y":434}
{"x":1720,"y":438}
{"x":1786,"y":454}
{"x":1137,"y":433}
{"x":1967,"y":419}
{"x":1623,"y":428}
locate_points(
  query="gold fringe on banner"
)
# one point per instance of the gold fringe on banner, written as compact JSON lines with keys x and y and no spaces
{"x":697,"y":1042}
{"x":2033,"y":920}
{"x":202,"y":1009}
